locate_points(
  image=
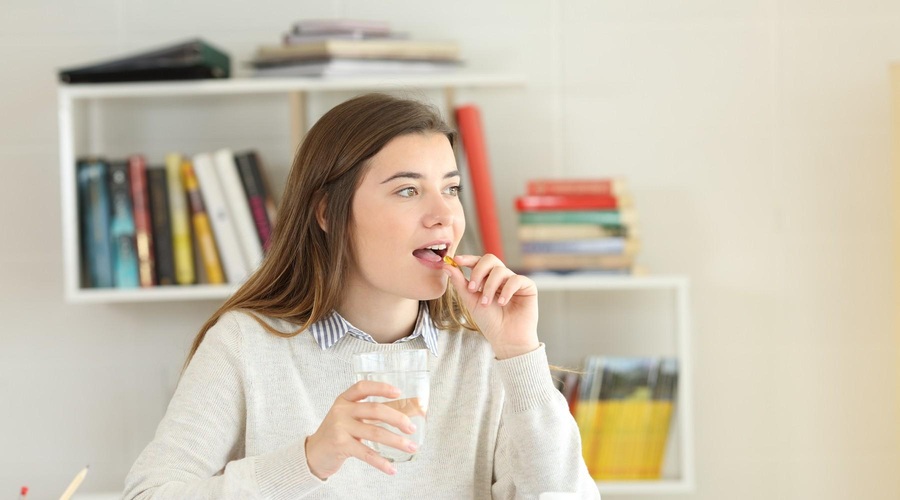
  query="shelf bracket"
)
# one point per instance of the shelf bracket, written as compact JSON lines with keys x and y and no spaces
{"x":298,"y":117}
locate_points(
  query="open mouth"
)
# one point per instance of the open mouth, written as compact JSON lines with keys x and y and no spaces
{"x":433,"y":253}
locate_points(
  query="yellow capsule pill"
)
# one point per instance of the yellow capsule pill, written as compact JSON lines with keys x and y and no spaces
{"x":450,"y":261}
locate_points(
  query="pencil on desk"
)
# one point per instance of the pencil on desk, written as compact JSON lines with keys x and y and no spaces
{"x":75,"y":484}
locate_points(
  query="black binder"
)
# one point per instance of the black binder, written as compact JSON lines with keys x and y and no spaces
{"x":190,"y":60}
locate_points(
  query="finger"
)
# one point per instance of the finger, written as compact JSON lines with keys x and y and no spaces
{"x":383,"y":413}
{"x":376,"y":434}
{"x":457,"y":278}
{"x":516,"y":285}
{"x":371,"y":457}
{"x":497,"y":278}
{"x":365,"y":388}
{"x":481,"y":270}
{"x":466,"y":260}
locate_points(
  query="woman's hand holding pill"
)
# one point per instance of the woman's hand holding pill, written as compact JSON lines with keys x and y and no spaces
{"x":503,"y":303}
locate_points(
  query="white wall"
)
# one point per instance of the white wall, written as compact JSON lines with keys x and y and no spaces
{"x":756,"y":138}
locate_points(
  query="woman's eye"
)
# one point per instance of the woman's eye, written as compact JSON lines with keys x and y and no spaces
{"x":454,"y":190}
{"x":407,"y":192}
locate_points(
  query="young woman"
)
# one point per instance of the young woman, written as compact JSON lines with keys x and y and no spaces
{"x":267,"y":406}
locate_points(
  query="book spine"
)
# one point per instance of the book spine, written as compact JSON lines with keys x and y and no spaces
{"x":236,"y":197}
{"x":256,"y":196}
{"x":606,"y":186}
{"x":182,"y":246}
{"x":206,"y":244}
{"x":612,"y":246}
{"x":471,"y":132}
{"x":544,"y":232}
{"x":143,"y":232}
{"x":570,"y":202}
{"x":572,"y":262}
{"x":602,"y":217}
{"x":221,"y":219}
{"x":97,"y":244}
{"x":158,"y":189}
{"x":125,"y":260}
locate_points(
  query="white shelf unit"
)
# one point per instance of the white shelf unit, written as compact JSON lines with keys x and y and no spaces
{"x":678,"y":290}
{"x":297,"y":89}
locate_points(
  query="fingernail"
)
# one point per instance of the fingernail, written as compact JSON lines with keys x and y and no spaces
{"x":484,"y":300}
{"x":412,"y":447}
{"x":412,"y":428}
{"x":472,"y":286}
{"x":392,"y":470}
{"x":501,"y":300}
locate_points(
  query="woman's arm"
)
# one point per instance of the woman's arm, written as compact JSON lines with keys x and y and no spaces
{"x":198,"y":450}
{"x":538,"y":445}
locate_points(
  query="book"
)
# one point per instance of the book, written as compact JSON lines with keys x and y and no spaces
{"x":224,"y":231}
{"x":189,"y":60}
{"x":575,"y":262}
{"x":182,"y":243}
{"x":257,"y":196}
{"x":125,"y":260}
{"x":143,"y":230}
{"x":613,"y":186}
{"x":93,"y":187}
{"x":544,"y":232}
{"x":295,"y":38}
{"x":332,"y":26}
{"x":571,"y":202}
{"x":625,"y":216}
{"x":361,"y":49}
{"x":161,"y":225}
{"x":212,"y":271}
{"x":471,"y":132}
{"x":239,"y":207}
{"x":333,"y":67}
{"x":611,"y":246}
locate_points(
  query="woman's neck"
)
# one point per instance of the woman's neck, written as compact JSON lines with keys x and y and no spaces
{"x":386,"y":319}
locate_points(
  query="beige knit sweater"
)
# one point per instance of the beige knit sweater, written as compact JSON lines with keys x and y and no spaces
{"x":236,"y":426}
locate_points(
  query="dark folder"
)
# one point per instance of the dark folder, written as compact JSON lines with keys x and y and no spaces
{"x":191,"y":60}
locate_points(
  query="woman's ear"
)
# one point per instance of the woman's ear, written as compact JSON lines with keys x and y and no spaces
{"x":320,"y":214}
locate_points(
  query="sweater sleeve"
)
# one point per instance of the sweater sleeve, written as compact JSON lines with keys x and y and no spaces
{"x":538,"y":443}
{"x":198,"y":449}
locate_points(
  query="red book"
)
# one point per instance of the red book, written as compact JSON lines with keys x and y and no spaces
{"x":611,"y":186}
{"x":469,"y":119}
{"x":570,"y":202}
{"x":143,"y":230}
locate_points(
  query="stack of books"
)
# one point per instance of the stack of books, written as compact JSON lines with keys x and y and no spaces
{"x":624,"y":408}
{"x":205,"y":219}
{"x":343,"y":47}
{"x":584,"y":225}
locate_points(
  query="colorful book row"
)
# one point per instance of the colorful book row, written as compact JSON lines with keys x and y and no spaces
{"x":624,"y":408}
{"x":568,"y":225}
{"x":201,"y":219}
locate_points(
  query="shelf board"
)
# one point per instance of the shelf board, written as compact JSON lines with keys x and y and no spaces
{"x":277,"y":85}
{"x":154,"y":294}
{"x":585,"y":281}
{"x":661,"y":487}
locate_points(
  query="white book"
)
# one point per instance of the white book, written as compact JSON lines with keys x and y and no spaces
{"x":239,"y":207}
{"x":230,"y":252}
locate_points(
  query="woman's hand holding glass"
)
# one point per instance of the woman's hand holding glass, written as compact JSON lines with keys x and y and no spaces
{"x":340,"y":435}
{"x":502,"y":303}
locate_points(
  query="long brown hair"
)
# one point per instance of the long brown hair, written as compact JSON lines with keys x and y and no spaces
{"x":300,"y":279}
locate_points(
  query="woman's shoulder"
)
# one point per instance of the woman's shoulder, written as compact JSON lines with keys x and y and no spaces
{"x":249,"y":325}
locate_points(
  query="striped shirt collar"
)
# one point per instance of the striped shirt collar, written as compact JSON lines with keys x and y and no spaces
{"x":329,"y":330}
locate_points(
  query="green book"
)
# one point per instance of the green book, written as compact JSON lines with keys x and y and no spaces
{"x":190,"y":60}
{"x":604,"y":217}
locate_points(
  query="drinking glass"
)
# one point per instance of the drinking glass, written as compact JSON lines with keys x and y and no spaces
{"x":407,"y":370}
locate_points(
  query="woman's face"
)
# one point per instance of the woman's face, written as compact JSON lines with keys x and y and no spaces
{"x":406,"y":216}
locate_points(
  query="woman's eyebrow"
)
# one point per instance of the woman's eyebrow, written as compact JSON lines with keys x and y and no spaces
{"x":416,"y":175}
